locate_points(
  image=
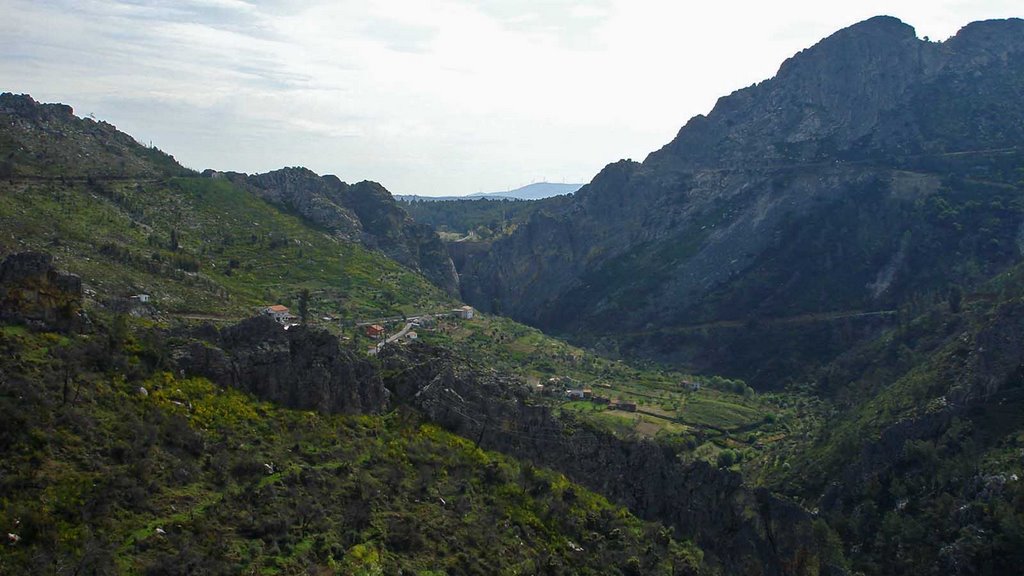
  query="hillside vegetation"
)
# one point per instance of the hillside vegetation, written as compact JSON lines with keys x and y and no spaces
{"x":114,"y":465}
{"x":118,"y":457}
{"x":828,"y":266}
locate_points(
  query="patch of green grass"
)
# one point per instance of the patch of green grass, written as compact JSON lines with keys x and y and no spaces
{"x":701,"y":409}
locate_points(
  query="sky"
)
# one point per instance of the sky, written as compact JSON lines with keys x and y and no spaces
{"x":428,"y":97}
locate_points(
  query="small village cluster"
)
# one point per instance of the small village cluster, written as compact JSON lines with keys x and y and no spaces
{"x":559,"y":387}
{"x":375,"y":330}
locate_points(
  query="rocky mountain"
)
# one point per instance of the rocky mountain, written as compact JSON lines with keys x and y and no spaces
{"x":48,"y":140}
{"x":41,"y":143}
{"x":302,"y":368}
{"x":363,"y":212}
{"x":793,"y":220}
{"x":34,"y":292}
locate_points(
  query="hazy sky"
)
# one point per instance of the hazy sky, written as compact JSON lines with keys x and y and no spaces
{"x":427,"y":97}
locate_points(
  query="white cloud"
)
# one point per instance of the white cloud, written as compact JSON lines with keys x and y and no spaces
{"x":442,"y":97}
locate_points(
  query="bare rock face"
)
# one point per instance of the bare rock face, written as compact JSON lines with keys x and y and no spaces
{"x":388,"y":228}
{"x":305,"y":193}
{"x":299,"y":368}
{"x":33,"y":292}
{"x":802,"y":195}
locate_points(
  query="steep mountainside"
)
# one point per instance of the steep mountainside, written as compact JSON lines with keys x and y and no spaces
{"x":128,"y":220}
{"x":741,"y":529}
{"x":112,"y":464}
{"x":46,"y":143}
{"x":364,"y":212}
{"x":918,"y":457}
{"x":873,"y":169}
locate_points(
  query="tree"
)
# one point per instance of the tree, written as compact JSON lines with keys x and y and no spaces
{"x":304,"y":305}
{"x":726,"y":458}
{"x":956,"y":297}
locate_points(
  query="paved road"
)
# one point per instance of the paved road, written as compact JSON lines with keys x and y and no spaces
{"x":394,"y":337}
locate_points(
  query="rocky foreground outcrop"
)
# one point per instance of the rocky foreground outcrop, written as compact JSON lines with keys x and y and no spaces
{"x":745,"y":531}
{"x":33,"y":292}
{"x":748,"y":531}
{"x":299,"y":368}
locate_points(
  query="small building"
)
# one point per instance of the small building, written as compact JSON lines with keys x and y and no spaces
{"x":587,"y":393}
{"x":691,"y":385}
{"x":140,"y":298}
{"x":574,"y":394}
{"x":465,"y":312}
{"x":625,"y":406}
{"x":279,"y":313}
{"x":374,"y":330}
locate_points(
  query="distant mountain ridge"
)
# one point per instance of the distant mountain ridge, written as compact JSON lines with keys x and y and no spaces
{"x":535,"y":191}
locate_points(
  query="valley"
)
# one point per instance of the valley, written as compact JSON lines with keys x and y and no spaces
{"x":790,"y":342}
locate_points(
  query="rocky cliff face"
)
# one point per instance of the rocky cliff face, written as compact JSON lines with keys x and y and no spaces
{"x":748,"y":531}
{"x":304,"y":192}
{"x":817,"y":192}
{"x":299,"y":368}
{"x":363,"y":212}
{"x":33,"y":292}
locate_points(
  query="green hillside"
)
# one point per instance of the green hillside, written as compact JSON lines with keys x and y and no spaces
{"x":113,"y":465}
{"x":201,"y":246}
{"x":913,"y":442}
{"x":844,"y":245}
{"x":115,"y":462}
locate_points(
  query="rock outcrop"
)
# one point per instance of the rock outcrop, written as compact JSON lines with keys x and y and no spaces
{"x":821,"y":190}
{"x":299,"y":368}
{"x":363,"y":212}
{"x":34,"y":293}
{"x":303,"y":192}
{"x":748,"y":531}
{"x":49,"y":141}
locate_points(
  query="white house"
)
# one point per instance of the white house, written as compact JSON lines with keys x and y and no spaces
{"x":279,"y":313}
{"x":466,"y":312}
